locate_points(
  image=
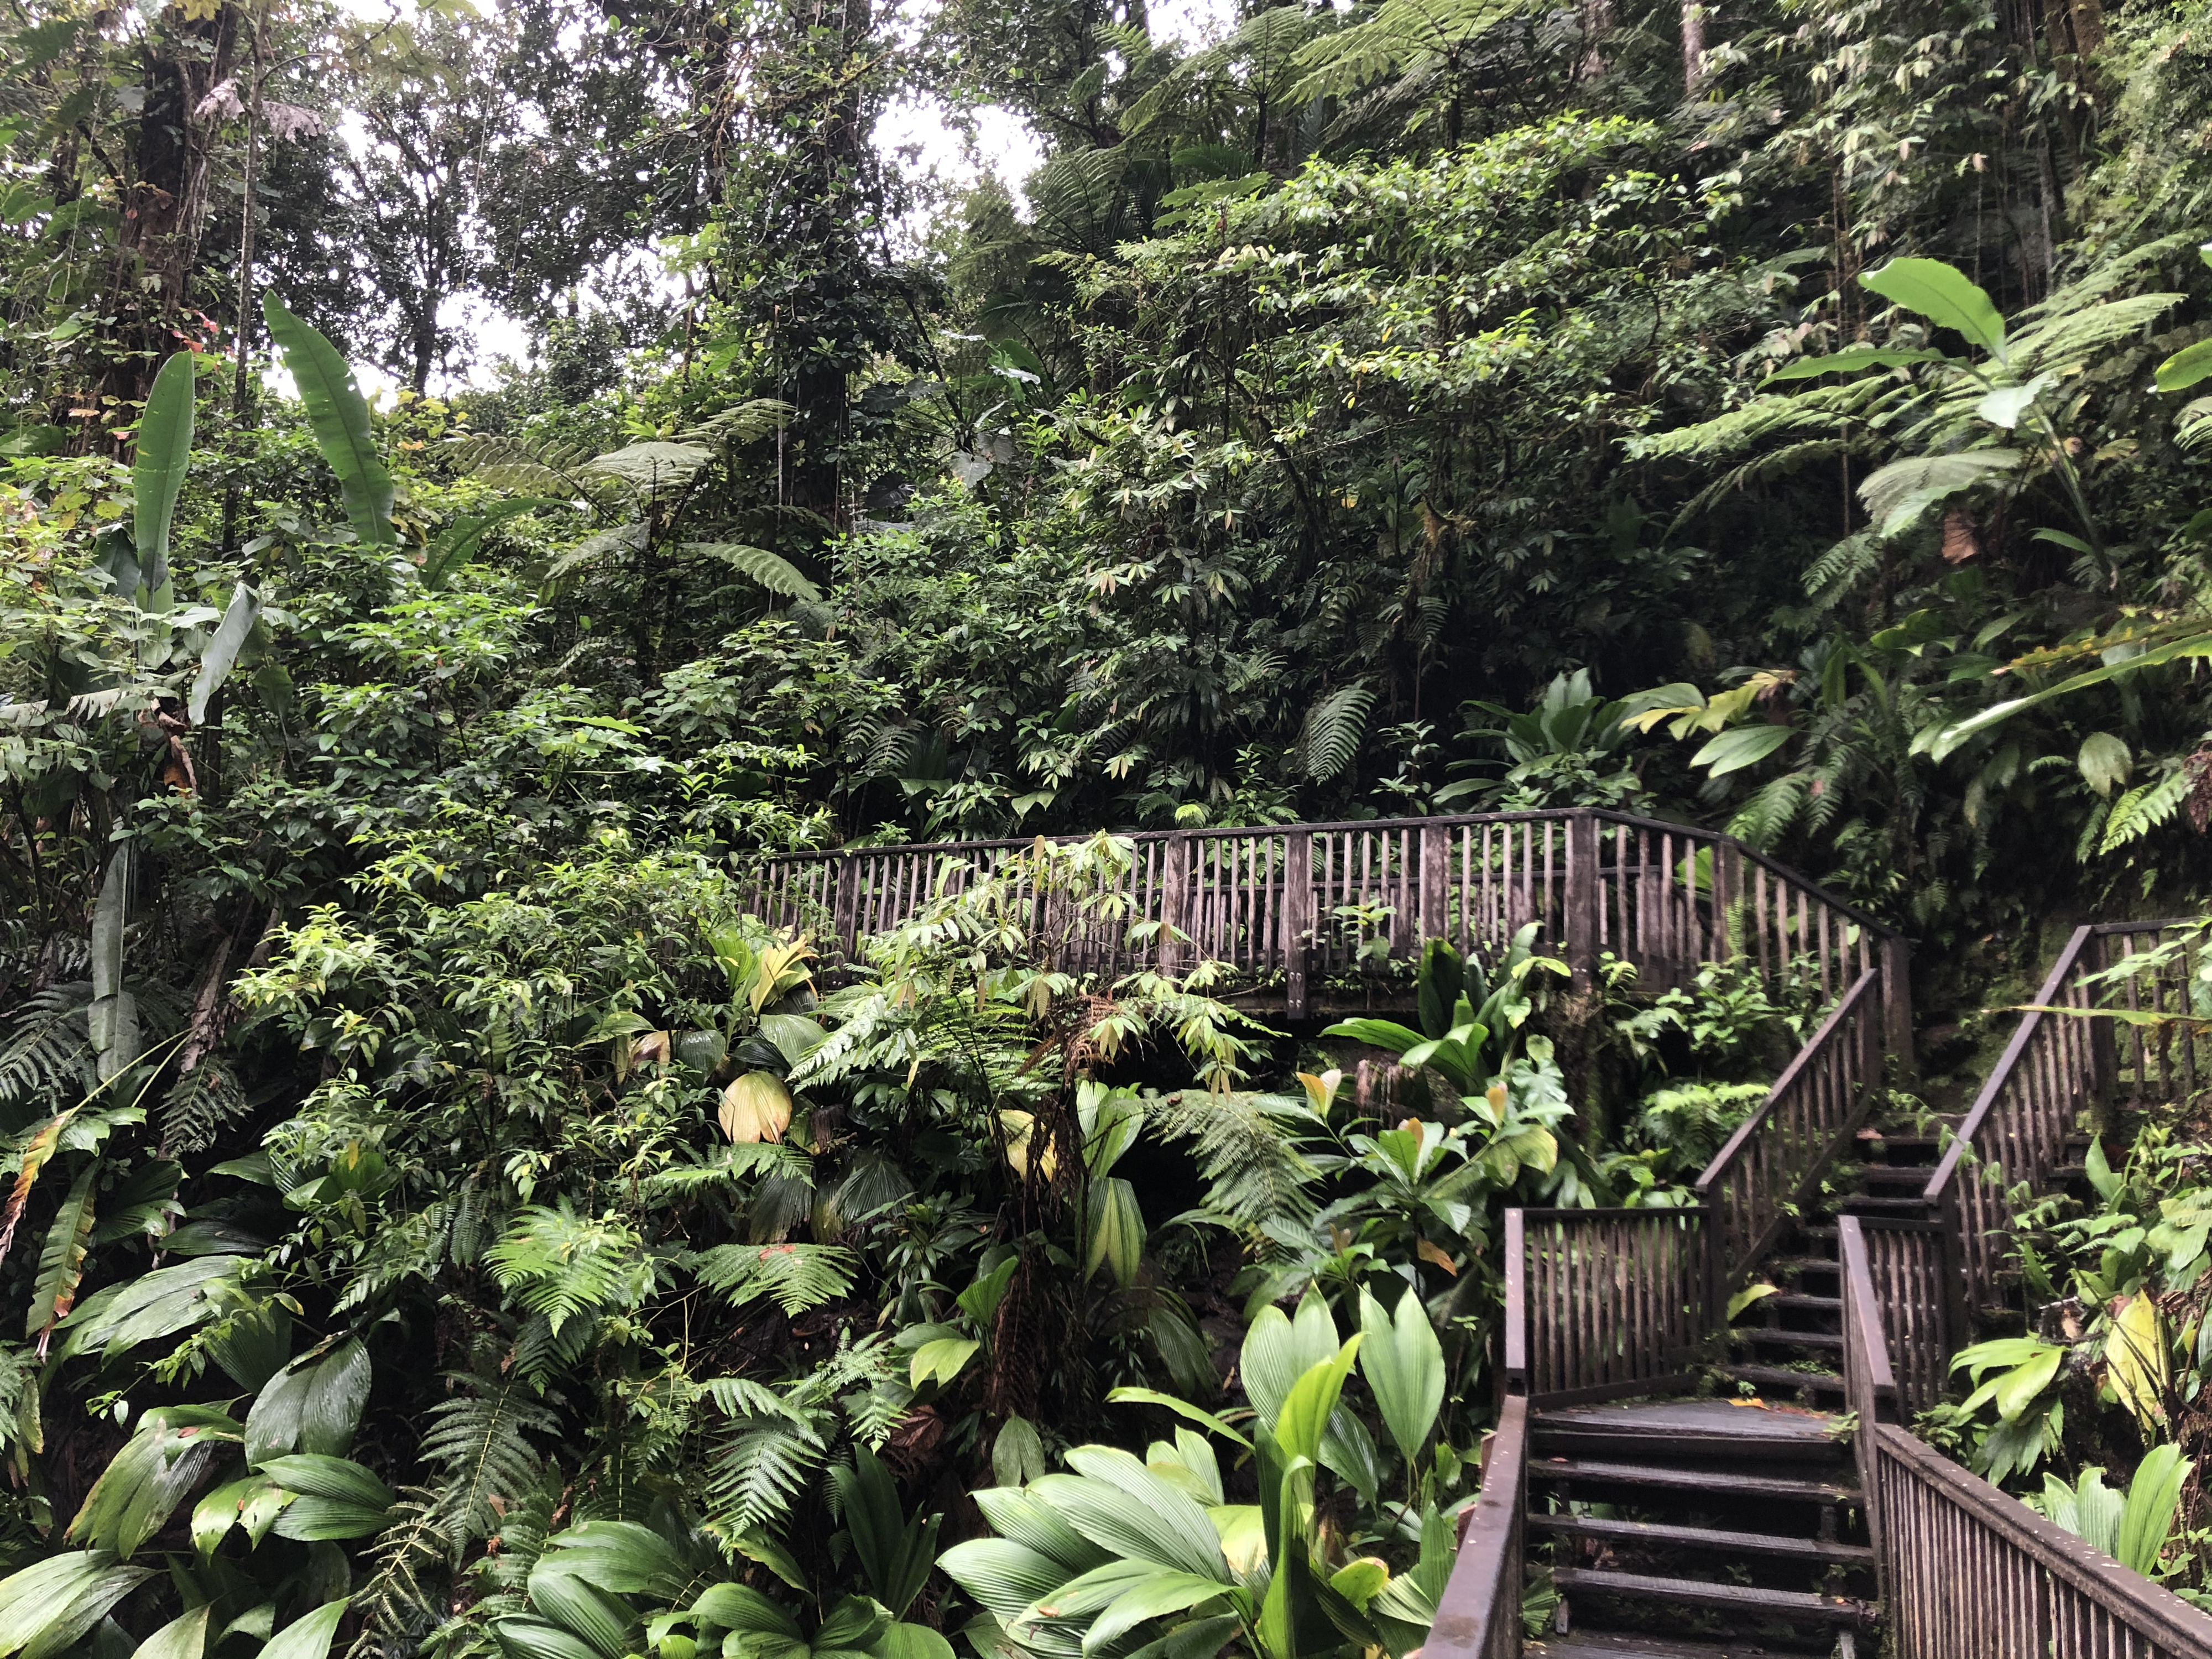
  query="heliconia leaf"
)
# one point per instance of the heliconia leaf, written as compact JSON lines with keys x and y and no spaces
{"x":164,"y":449}
{"x":755,"y":1107}
{"x":339,"y":416}
{"x":61,"y":1264}
{"x":38,"y":1152}
{"x":222,"y":648}
{"x":113,"y":1019}
{"x":1945,"y":295}
{"x":307,"y":1637}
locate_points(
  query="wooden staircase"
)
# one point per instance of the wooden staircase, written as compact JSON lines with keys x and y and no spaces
{"x":1784,"y":1509}
{"x":1698,"y":1529}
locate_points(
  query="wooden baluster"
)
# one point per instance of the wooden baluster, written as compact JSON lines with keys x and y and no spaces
{"x":1298,"y":920}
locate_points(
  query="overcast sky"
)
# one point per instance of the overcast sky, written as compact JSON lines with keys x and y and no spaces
{"x":1004,"y":146}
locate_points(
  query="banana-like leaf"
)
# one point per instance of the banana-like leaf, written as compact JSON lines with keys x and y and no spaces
{"x":1945,"y":295}
{"x":460,"y":540}
{"x":61,"y":1264}
{"x":157,"y":470}
{"x":113,"y":1018}
{"x":941,"y":1360}
{"x":222,"y":653}
{"x":339,"y":416}
{"x":1404,"y":1365}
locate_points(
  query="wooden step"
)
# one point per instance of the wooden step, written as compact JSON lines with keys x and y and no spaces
{"x":1728,"y":1483}
{"x":1805,"y":1264}
{"x":1761,"y":1334}
{"x":1775,"y":1376}
{"x":1803,"y":1304}
{"x":1722,"y":1431}
{"x":1737,"y":1598}
{"x":1859,"y":1205}
{"x":1892,"y":1175}
{"x":1704,"y":1538}
{"x":1620,"y":1644}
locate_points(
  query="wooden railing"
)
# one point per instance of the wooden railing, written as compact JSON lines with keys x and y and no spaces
{"x":1605,"y":1303}
{"x":1967,"y":1571}
{"x":1775,"y":1160}
{"x":1912,"y":1268}
{"x":2058,"y":1070}
{"x":1311,"y":902}
{"x":1478,"y":1615}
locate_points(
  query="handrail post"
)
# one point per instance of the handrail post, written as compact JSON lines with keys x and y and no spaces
{"x":1436,"y":888}
{"x":1727,"y":897}
{"x":1583,"y":900}
{"x":1896,"y":1005}
{"x":1298,"y":920}
{"x":1175,"y":902}
{"x":1514,"y":1375}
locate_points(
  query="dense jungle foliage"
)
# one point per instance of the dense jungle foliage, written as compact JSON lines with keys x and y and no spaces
{"x":443,"y":1218}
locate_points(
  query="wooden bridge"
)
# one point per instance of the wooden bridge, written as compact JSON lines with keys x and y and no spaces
{"x":1662,"y":1525}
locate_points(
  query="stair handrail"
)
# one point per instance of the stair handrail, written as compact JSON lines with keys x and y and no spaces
{"x":2055,"y":1067}
{"x":1602,"y":1304}
{"x":1869,"y":1379}
{"x":1478,"y":1615}
{"x":1809,"y":1117}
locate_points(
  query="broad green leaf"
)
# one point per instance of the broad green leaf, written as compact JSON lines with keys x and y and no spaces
{"x":164,"y":450}
{"x":182,"y":1638}
{"x":222,"y":648}
{"x":1404,"y":1365}
{"x":2153,"y":1496}
{"x":2105,"y":762}
{"x":1749,"y":1294}
{"x":1118,"y":1504}
{"x":316,"y":1475}
{"x":1740,"y":746}
{"x":903,"y":1641}
{"x":307,"y":1637}
{"x":113,"y":1019}
{"x":2004,"y":405}
{"x":252,"y":1502}
{"x":1306,"y":1409}
{"x":1942,"y":741}
{"x":1005,"y":1577}
{"x":941,"y":1360}
{"x":533,"y":1639}
{"x":1155,"y":1598}
{"x":1945,"y":295}
{"x":1115,"y":1230}
{"x":739,"y":1607}
{"x":338,"y":417}
{"x":2138,"y":1360}
{"x":1018,"y":1452}
{"x":605,"y":1620}
{"x":1376,"y":1033}
{"x":1361,"y":1580}
{"x":49,"y":1605}
{"x":2185,"y":367}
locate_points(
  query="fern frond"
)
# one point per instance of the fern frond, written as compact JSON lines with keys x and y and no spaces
{"x":765,"y":569}
{"x":561,"y":1264}
{"x":479,"y":1441}
{"x":405,"y":1597}
{"x":741,"y":423}
{"x":1253,"y":1170}
{"x":50,"y":1051}
{"x":1757,"y":471}
{"x":1773,"y":807}
{"x":523,"y":469}
{"x":2146,"y":807}
{"x":1329,"y":742}
{"x":758,"y":1475}
{"x":798,"y":1276}
{"x":1836,"y":571}
{"x":197,"y":1106}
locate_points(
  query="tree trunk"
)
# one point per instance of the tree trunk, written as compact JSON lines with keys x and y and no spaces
{"x":1693,"y":47}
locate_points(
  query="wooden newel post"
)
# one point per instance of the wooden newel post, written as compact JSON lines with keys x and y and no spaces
{"x":1583,"y":900}
{"x":1175,"y":903}
{"x":1298,"y":919}
{"x":1436,"y":886}
{"x":1727,"y":900}
{"x":1896,"y":1005}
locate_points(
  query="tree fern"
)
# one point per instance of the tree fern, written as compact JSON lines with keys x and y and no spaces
{"x":479,"y":1440}
{"x":48,"y":1052}
{"x":2146,"y":807}
{"x":798,"y":1276}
